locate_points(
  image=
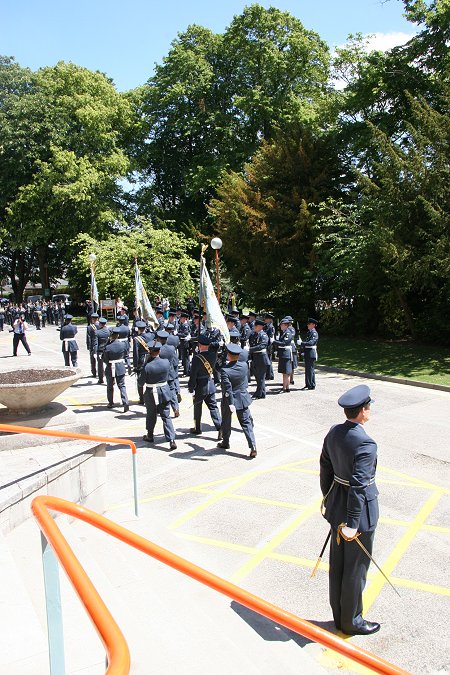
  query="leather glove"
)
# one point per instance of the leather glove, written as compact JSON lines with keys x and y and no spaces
{"x":233,"y":408}
{"x":349,"y":533}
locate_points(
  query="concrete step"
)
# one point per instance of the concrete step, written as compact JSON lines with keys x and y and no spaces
{"x":23,"y":641}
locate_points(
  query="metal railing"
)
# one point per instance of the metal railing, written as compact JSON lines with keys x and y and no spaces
{"x":15,"y":429}
{"x":118,"y":657}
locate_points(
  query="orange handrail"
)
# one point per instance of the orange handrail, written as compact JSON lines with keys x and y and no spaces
{"x":15,"y":429}
{"x":112,"y":638}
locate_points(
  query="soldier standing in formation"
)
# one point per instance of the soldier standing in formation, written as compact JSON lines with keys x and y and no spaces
{"x":258,"y":342}
{"x":91,"y":341}
{"x":102,"y":336}
{"x":117,"y":361}
{"x":309,"y":346}
{"x":284,"y":345}
{"x":69,"y":344}
{"x":347,"y":480}
{"x":201,"y":384}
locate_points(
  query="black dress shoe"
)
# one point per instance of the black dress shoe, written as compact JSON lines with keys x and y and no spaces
{"x":100,"y":382}
{"x":223,"y":445}
{"x":253,"y":453}
{"x":196,"y":432}
{"x":110,"y":405}
{"x":126,"y":408}
{"x":173,"y":445}
{"x":147,"y":438}
{"x":366,"y":628}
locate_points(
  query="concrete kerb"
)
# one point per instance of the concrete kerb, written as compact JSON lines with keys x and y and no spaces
{"x":385,"y":378}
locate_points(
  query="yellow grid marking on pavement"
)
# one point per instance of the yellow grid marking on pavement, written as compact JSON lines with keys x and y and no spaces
{"x":399,"y":550}
{"x":420,"y":586}
{"x":269,"y":502}
{"x":314,"y":472}
{"x":216,"y":542}
{"x":243,"y":571}
{"x":412,"y":480}
{"x":436,"y":528}
{"x":393,"y":521}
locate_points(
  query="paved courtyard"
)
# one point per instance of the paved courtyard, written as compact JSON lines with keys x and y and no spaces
{"x":257,"y":522}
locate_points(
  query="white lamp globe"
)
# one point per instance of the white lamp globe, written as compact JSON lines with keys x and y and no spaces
{"x":216,"y":243}
{"x":92,"y":257}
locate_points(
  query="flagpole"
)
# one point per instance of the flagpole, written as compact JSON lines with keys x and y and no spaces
{"x":92,"y":258}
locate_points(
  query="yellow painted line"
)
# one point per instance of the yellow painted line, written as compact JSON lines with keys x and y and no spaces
{"x":275,"y":541}
{"x":412,"y":479}
{"x":216,"y":497}
{"x":296,"y":560}
{"x":436,"y":528}
{"x":399,"y":550}
{"x":218,"y":543}
{"x":269,"y":502}
{"x":393,"y":521}
{"x":420,"y":586}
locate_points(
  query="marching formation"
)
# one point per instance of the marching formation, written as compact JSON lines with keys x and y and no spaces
{"x":185,"y":345}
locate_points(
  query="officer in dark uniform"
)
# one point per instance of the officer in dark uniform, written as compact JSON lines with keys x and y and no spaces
{"x":244,"y":330}
{"x":141,"y":353}
{"x":269,"y":328}
{"x":116,"y":360}
{"x":251,"y":320}
{"x":258,"y":353}
{"x":91,"y":341}
{"x":284,"y":344}
{"x":102,"y":336}
{"x":170,"y":353}
{"x":160,"y":317}
{"x":174,"y":341}
{"x":184,"y":335}
{"x":235,"y":398}
{"x":201,"y":384}
{"x":69,"y":344}
{"x":347,"y":480}
{"x":154,"y":377}
{"x":309,"y":347}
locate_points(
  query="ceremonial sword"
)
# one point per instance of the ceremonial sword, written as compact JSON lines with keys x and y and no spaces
{"x":361,"y":545}
{"x":313,"y":573}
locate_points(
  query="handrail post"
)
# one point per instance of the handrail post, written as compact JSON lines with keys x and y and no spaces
{"x":53,"y":608}
{"x":135,"y":485}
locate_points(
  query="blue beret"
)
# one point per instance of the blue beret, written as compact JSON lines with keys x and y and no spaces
{"x":204,"y":339}
{"x":286,"y":319}
{"x":162,"y":334}
{"x":103,"y":320}
{"x":67,"y":317}
{"x":234,"y":349}
{"x":355,"y":397}
{"x":141,"y":324}
{"x":289,"y":318}
{"x":116,"y":330}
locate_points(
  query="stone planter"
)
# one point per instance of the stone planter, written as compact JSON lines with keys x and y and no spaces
{"x":26,"y":397}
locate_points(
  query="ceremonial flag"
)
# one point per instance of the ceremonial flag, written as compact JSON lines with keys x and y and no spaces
{"x":142,"y":301}
{"x":208,"y":299}
{"x":94,"y":290}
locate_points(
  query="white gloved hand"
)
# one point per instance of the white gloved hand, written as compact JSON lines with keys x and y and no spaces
{"x":349,"y":532}
{"x":233,"y":408}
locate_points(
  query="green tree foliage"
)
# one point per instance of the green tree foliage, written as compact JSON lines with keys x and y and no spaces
{"x":391,"y":251}
{"x":266,"y":216}
{"x":163,"y":258}
{"x":61,"y":155}
{"x":213,"y":100}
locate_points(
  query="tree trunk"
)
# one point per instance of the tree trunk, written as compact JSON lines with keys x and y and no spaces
{"x":42,"y":254}
{"x":21,"y":266}
{"x":407,"y":312}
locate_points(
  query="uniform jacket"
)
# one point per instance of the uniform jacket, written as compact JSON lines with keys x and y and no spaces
{"x":69,"y":331}
{"x":309,"y":344}
{"x":199,"y":379}
{"x":102,"y":336}
{"x":234,"y":381}
{"x":174,"y":341}
{"x":157,"y":370}
{"x":258,"y":347}
{"x":170,"y":353}
{"x":349,"y":453}
{"x":245,"y":332}
{"x":140,"y":352}
{"x":115,"y":351}
{"x":91,"y":337}
{"x":284,"y":344}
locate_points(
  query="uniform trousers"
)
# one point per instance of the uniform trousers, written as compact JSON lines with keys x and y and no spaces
{"x":259,"y":371}
{"x":348,"y":572}
{"x":310,"y":373}
{"x":185,"y":361}
{"x":20,"y":337}
{"x":71,"y":356}
{"x":211,"y":404}
{"x":100,"y":367}
{"x":153,"y":410}
{"x":173,"y":398}
{"x":245,"y":420}
{"x":120,"y":381}
{"x":269,"y":370}
{"x":93,"y":364}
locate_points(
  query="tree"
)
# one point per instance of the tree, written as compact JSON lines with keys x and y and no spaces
{"x":213,"y":100}
{"x":266,"y":216}
{"x":164,"y":262}
{"x":60,"y":158}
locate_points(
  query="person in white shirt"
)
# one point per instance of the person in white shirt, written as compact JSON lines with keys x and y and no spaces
{"x":20,"y":326}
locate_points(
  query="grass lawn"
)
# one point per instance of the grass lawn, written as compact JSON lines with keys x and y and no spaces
{"x":427,"y":363}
